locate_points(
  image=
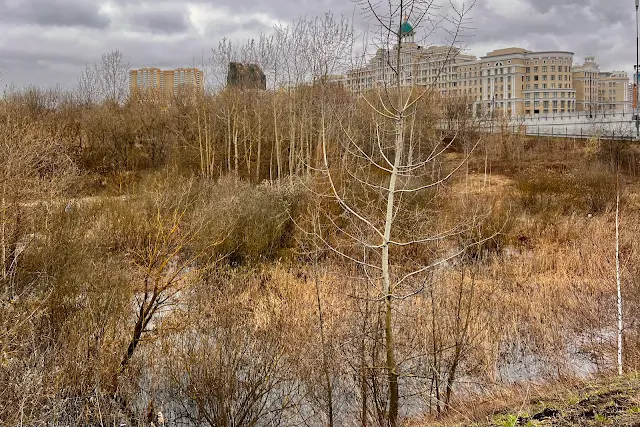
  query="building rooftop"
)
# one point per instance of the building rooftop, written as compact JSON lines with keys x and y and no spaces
{"x":406,"y":28}
{"x":507,"y":51}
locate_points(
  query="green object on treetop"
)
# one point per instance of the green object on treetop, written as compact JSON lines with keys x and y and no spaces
{"x":406,"y":28}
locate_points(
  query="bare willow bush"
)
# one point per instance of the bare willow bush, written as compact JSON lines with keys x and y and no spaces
{"x":65,"y":320}
{"x":253,"y":222}
{"x":235,"y":359}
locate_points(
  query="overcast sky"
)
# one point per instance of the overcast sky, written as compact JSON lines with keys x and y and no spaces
{"x":46,"y":42}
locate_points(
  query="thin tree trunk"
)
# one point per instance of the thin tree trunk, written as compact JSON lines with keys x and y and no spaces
{"x":246,"y":139}
{"x":211,"y":153}
{"x":271,"y":166}
{"x":436,"y":351}
{"x":392,"y":367}
{"x":229,"y":137}
{"x":386,"y":279}
{"x":201,"y":146}
{"x":619,"y":287}
{"x":325,"y":358}
{"x":236,"y":161}
{"x":3,"y":234}
{"x":292,"y":139}
{"x":276,"y":141}
{"x":363,"y":363}
{"x":309,"y":139}
{"x":460,"y":333}
{"x":375,"y":389}
{"x":259,"y":153}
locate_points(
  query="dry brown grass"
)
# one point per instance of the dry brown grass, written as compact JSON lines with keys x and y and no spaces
{"x":541,"y":285}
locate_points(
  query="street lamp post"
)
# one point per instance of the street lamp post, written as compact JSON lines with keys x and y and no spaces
{"x":635,"y":83}
{"x":591,"y":93}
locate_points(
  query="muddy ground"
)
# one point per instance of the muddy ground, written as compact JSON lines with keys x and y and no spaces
{"x":614,"y":402}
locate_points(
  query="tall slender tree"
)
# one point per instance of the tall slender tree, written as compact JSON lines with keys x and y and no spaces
{"x":376,"y":178}
{"x":114,"y":76}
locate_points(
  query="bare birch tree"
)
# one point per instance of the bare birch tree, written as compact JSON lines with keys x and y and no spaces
{"x":114,"y":76}
{"x":618,"y":282}
{"x":221,"y":56}
{"x":331,"y":45}
{"x":89,"y":90}
{"x":377,"y":178}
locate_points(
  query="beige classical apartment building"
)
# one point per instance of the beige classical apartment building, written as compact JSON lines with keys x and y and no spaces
{"x":518,"y":81}
{"x":598,"y":90}
{"x":512,"y":81}
{"x":167,"y":83}
{"x":434,"y":66}
{"x":613,"y":94}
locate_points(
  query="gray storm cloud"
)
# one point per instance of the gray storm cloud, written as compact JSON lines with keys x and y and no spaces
{"x":162,"y":21}
{"x":46,"y":42}
{"x":57,"y":13}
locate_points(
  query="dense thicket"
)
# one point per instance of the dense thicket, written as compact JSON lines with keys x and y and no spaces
{"x":164,"y":259}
